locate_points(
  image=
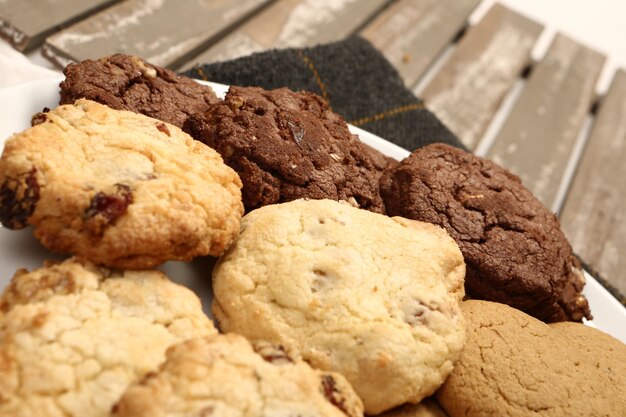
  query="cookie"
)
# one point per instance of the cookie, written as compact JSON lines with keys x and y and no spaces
{"x":515,"y":365}
{"x":286,"y":145}
{"x":74,"y":336}
{"x":125,"y":82}
{"x":118,"y":188}
{"x":427,"y":408}
{"x":608,"y":353}
{"x":224,"y":376}
{"x":352,"y":291}
{"x":513,"y":246}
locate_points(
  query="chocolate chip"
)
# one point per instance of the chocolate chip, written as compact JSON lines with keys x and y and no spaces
{"x":18,"y":199}
{"x":110,"y":206}
{"x":332,"y":394}
{"x":163,"y":128}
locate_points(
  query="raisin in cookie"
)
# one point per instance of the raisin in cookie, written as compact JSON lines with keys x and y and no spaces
{"x":224,"y":376}
{"x":286,"y":145}
{"x":125,"y":82}
{"x":513,"y":246}
{"x":515,"y":365}
{"x":118,"y":188}
{"x":74,"y":336}
{"x":352,"y":291}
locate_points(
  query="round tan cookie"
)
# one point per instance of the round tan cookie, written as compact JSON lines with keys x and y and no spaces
{"x":223,"y":376}
{"x":608,"y":353}
{"x":119,"y":188}
{"x":515,"y":365}
{"x":352,"y":291}
{"x":74,"y":336}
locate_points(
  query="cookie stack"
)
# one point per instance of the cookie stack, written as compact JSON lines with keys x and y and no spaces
{"x":327,"y":305}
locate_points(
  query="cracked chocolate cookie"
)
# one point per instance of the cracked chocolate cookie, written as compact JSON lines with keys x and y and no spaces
{"x":515,"y":365}
{"x":224,"y":375}
{"x":286,"y":145}
{"x":125,"y":82}
{"x":352,"y":291}
{"x":73,"y":336}
{"x":512,"y":244}
{"x":118,"y":188}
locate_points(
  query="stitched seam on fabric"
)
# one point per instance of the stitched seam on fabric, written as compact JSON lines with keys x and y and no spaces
{"x":388,"y":113}
{"x":317,"y":77}
{"x":200,"y":72}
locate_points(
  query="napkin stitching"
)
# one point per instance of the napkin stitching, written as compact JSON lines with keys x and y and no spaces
{"x":317,"y":77}
{"x":388,"y":113}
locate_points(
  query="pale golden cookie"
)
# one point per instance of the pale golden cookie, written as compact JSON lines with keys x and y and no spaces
{"x":352,"y":291}
{"x":74,"y":336}
{"x":427,"y":408}
{"x":223,"y":376}
{"x":118,"y":188}
{"x":515,"y":365}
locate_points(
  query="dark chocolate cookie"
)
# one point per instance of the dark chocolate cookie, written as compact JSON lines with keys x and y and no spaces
{"x":125,"y":82}
{"x":286,"y":145}
{"x":512,"y":244}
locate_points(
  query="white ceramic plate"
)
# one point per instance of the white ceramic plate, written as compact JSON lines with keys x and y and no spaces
{"x":19,"y":249}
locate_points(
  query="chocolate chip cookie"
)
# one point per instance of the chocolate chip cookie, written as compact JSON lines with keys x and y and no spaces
{"x":515,"y":365}
{"x":73,"y":336}
{"x":125,"y":82}
{"x":513,"y":246}
{"x":286,"y":145}
{"x":352,"y":291}
{"x":224,"y":375}
{"x":118,"y":188}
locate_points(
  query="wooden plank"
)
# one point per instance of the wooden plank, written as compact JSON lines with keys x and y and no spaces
{"x":163,"y":32}
{"x":468,"y":90}
{"x":594,"y":215}
{"x":26,"y":23}
{"x":292,"y":23}
{"x":413,"y":33}
{"x":536,"y":140}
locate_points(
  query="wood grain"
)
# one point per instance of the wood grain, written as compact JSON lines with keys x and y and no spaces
{"x":593,"y":216}
{"x":536,"y":140}
{"x":292,"y":23}
{"x":413,"y":33}
{"x":468,"y":90}
{"x":26,"y":23}
{"x":163,"y":32}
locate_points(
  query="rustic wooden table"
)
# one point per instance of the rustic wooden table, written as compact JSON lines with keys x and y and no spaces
{"x":566,"y":143}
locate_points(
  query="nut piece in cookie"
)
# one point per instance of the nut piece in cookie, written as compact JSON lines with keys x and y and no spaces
{"x":513,"y":246}
{"x":515,"y":365}
{"x":351,"y":291}
{"x":73,"y":336}
{"x":286,"y":145}
{"x":118,"y":188}
{"x":222,"y":375}
{"x":125,"y":82}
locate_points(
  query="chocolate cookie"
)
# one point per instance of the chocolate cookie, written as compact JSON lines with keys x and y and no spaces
{"x":286,"y":145}
{"x":126,"y":82}
{"x":512,"y":244}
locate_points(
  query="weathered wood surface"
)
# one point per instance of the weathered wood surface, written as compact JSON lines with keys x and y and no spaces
{"x":468,"y":90}
{"x":413,"y":33}
{"x":594,"y":214}
{"x":26,"y":23}
{"x":166,"y":33}
{"x":292,"y":23}
{"x":537,"y":139}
